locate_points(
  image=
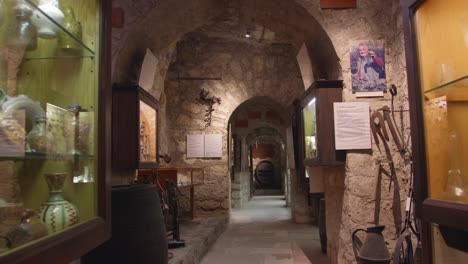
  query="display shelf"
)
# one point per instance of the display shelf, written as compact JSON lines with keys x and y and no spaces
{"x":46,"y":156}
{"x":58,"y":69}
{"x":438,"y":96}
{"x":30,"y":57}
{"x":456,"y":90}
{"x":41,"y":53}
{"x":135,"y":119}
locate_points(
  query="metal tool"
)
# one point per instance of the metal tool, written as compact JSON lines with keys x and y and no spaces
{"x":378,"y":192}
{"x":386,"y":113}
{"x":377,"y":123}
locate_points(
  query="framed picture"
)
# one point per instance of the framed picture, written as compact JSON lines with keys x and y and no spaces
{"x":368,"y":68}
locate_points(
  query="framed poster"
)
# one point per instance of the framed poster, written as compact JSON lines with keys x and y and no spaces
{"x":368,"y":68}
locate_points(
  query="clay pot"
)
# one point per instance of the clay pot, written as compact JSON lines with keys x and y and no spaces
{"x":57,"y":213}
{"x":30,"y":228}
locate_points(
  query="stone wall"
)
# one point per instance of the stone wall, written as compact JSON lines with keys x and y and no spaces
{"x":234,"y":71}
{"x":350,"y":193}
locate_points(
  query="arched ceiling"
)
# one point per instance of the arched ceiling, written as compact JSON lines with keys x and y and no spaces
{"x":277,"y":21}
{"x":261,"y":104}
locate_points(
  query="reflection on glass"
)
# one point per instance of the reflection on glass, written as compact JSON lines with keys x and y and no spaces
{"x":147,"y":133}
{"x":442,"y":252}
{"x":454,"y":187}
{"x":310,"y":129}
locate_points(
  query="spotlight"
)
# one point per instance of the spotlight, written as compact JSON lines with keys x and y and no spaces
{"x":247,"y":34}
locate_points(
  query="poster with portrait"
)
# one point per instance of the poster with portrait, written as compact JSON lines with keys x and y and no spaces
{"x":368,"y":68}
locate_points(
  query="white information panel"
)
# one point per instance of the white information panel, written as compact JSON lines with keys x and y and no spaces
{"x":213,"y":146}
{"x":195,"y":146}
{"x":352,"y":125}
{"x":205,"y":146}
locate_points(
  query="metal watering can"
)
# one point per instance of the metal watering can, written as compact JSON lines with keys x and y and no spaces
{"x":374,"y":249}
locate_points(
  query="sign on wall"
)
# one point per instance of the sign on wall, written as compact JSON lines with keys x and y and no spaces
{"x":213,"y":146}
{"x":352,"y":125}
{"x":195,"y":146}
{"x":205,"y":146}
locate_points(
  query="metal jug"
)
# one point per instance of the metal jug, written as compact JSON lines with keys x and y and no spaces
{"x":374,"y":249}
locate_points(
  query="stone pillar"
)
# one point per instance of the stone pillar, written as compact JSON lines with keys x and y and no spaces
{"x":299,"y":207}
{"x":334,"y":194}
{"x":240,"y":189}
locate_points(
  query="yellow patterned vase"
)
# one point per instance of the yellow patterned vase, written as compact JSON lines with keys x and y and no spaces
{"x":57,"y":213}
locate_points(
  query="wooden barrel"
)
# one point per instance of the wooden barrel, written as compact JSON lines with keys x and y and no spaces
{"x":138,"y":229}
{"x":265,"y":173}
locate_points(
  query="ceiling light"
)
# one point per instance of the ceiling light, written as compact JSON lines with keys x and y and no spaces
{"x":247,"y":34}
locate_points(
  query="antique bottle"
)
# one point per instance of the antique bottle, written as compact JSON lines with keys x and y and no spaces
{"x":39,"y":139}
{"x":67,"y":43}
{"x":454,"y":185}
{"x":57,"y":213}
{"x":24,"y":32}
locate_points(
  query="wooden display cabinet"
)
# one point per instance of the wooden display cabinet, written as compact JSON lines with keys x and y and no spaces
{"x":134,"y":128}
{"x":436,"y":52}
{"x":315,"y":125}
{"x":55,"y":121}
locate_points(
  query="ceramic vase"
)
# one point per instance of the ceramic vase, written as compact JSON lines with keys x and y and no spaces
{"x":57,"y":213}
{"x":45,"y":27}
{"x":39,"y":139}
{"x":29,"y":229}
{"x":67,"y":43}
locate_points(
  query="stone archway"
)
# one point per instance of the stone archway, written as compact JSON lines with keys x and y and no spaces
{"x":200,"y":45}
{"x":255,"y":125}
{"x":165,"y":22}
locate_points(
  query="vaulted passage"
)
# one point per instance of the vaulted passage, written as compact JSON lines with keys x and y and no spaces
{"x":262,"y":232}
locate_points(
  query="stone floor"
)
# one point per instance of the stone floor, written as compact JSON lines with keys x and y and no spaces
{"x":262,"y":233}
{"x":199,"y":235}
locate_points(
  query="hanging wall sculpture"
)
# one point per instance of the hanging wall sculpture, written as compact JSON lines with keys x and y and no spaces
{"x":209,"y":101}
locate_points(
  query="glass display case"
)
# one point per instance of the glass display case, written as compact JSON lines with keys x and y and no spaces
{"x":53,"y":159}
{"x":437,"y":49}
{"x":310,"y":129}
{"x":135,"y":120}
{"x":315,"y":128}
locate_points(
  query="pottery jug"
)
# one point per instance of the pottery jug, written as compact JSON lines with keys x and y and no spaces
{"x":374,"y":249}
{"x":67,"y":43}
{"x":45,"y":27}
{"x":39,"y":139}
{"x":29,"y":229}
{"x":57,"y":213}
